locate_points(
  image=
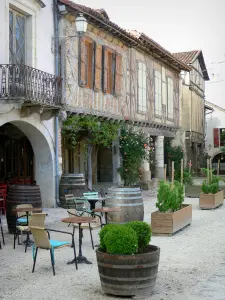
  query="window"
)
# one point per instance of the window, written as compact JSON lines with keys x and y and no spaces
{"x":158,"y":93}
{"x":112,"y":72}
{"x":170,"y":91}
{"x":16,"y":38}
{"x":86,"y":63}
{"x":142,"y":87}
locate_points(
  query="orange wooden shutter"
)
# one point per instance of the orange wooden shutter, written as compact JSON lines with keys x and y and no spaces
{"x":83,"y":62}
{"x":216,"y":137}
{"x":105,"y":70}
{"x":118,"y":74}
{"x":98,"y":67}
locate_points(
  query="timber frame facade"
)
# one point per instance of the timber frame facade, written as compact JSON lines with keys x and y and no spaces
{"x":117,"y":74}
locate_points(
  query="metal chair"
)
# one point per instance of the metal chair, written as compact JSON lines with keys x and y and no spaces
{"x":3,"y":239}
{"x":35,"y":220}
{"x":43,"y":241}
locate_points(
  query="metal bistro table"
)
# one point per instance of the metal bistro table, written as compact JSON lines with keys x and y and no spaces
{"x":106,"y":210}
{"x":79,"y":221}
{"x":27,"y":210}
{"x":93,"y":201}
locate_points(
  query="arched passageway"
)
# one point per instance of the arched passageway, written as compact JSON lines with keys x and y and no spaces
{"x":219,"y":157}
{"x":31,"y":156}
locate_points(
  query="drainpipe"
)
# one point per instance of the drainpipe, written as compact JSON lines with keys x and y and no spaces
{"x":56,"y":41}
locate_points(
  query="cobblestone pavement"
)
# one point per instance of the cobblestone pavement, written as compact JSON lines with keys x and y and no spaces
{"x":192,"y":263}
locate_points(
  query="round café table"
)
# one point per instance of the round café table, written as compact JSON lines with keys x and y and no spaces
{"x":106,"y":210}
{"x":93,"y":201}
{"x":79,"y":221}
{"x":27,"y":210}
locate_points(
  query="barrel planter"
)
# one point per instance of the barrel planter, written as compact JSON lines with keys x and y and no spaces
{"x":21,"y":194}
{"x":71,"y":184}
{"x":129,"y":200}
{"x":211,"y":201}
{"x":129,"y":275}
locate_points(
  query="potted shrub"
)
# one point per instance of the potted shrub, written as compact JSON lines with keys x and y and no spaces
{"x":211,"y":196}
{"x":127,"y":264}
{"x":172,"y":214}
{"x":134,"y":148}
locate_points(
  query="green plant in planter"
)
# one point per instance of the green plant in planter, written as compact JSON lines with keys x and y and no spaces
{"x":121,"y":240}
{"x":102,"y":234}
{"x":211,"y":184}
{"x":170,"y":198}
{"x":143,"y":231}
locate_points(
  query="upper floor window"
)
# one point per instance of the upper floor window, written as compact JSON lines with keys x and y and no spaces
{"x":100,"y":67}
{"x":142,"y":87}
{"x":158,"y":93}
{"x":86,"y":63}
{"x":17,"y":33}
{"x":170,"y":92}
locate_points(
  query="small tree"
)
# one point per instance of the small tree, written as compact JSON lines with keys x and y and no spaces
{"x":94,"y":130}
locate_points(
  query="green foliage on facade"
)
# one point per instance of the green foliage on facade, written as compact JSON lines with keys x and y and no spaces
{"x":134,"y":148}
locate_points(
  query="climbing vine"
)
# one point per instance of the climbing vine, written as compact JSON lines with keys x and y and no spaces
{"x":134,"y":148}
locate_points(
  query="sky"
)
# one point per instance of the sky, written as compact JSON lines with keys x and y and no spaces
{"x":178,"y":26}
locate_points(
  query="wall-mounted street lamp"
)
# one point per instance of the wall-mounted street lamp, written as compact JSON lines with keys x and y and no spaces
{"x":81,"y":24}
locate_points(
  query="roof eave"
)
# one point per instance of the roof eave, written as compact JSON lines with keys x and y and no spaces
{"x":41,"y":3}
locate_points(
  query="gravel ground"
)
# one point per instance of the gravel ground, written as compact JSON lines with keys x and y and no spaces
{"x":192,"y":263}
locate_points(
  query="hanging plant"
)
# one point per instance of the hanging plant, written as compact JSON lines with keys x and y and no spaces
{"x":134,"y":148}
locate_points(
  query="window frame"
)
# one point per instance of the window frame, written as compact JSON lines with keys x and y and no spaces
{"x":158,"y":114}
{"x":168,"y":98}
{"x":16,"y":13}
{"x":141,"y":108}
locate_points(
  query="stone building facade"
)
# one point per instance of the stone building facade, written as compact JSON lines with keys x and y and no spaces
{"x":120,"y":75}
{"x":30,"y":96}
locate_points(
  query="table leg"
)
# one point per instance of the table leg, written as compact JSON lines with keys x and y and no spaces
{"x":80,"y":257}
{"x":28,"y":241}
{"x":106,"y":217}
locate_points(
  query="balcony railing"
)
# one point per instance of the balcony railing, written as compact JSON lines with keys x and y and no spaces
{"x":30,"y":85}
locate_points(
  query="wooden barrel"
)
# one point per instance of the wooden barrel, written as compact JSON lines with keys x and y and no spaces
{"x":21,"y":194}
{"x":71,"y":184}
{"x":128,"y":275}
{"x":129,"y":200}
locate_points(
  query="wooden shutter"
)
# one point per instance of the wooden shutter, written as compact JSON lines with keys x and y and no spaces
{"x":105,"y":70}
{"x":83,"y":62}
{"x":118,"y":74}
{"x":216,"y":137}
{"x":98,"y":67}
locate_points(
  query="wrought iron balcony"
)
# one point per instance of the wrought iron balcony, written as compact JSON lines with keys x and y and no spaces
{"x":29,"y":85}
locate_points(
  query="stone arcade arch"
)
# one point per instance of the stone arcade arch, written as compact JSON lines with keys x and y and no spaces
{"x":43,"y":147}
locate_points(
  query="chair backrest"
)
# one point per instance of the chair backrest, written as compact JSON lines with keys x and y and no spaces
{"x":91,"y":195}
{"x":20,"y":214}
{"x":69,"y":197}
{"x":81,"y":204}
{"x":37,"y":220}
{"x":40,"y":238}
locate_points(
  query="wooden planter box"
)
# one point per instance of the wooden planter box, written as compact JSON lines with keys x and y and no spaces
{"x":211,"y":201}
{"x":128,"y":275}
{"x":170,"y":222}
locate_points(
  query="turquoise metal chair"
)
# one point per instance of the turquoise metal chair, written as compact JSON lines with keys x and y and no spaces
{"x":42,"y":241}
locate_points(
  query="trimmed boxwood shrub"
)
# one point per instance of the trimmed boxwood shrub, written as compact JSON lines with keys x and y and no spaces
{"x":121,"y":240}
{"x":143,"y":231}
{"x":102,"y":234}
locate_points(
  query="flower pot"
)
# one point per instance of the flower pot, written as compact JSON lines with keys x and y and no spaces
{"x":211,"y":201}
{"x":129,"y":200}
{"x":171,"y":222}
{"x":129,"y":275}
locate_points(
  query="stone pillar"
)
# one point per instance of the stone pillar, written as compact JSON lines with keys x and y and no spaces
{"x":116,"y":161}
{"x":146,"y":179}
{"x":159,"y":157}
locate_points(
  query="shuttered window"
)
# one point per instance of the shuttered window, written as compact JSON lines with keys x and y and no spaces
{"x":118,"y":74}
{"x":216,"y":137}
{"x":158,"y":93}
{"x":86,"y":63}
{"x":98,"y":67}
{"x":170,"y":91}
{"x":108,"y":78}
{"x":142,"y":87}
